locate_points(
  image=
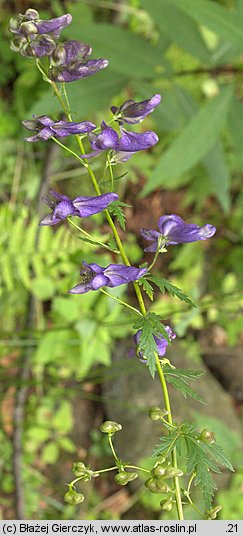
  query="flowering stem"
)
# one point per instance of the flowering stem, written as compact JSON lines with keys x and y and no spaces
{"x":125,"y":259}
{"x":113,"y":450}
{"x":170,"y":420}
{"x":68,"y":150}
{"x":95,"y":241}
{"x":136,"y":311}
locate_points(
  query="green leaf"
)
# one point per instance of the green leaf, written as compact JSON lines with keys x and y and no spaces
{"x":236,"y":128}
{"x":218,"y":172}
{"x":168,"y":442}
{"x":180,"y":383}
{"x":116,"y":209}
{"x":192,"y":143}
{"x":222,"y":21}
{"x":178,"y":27}
{"x":93,"y":96}
{"x":43,"y":287}
{"x":197,"y":461}
{"x":147,"y":287}
{"x":50,"y":453}
{"x":150,"y":326}
{"x":219,"y":455}
{"x":164,"y":284}
{"x":115,"y":43}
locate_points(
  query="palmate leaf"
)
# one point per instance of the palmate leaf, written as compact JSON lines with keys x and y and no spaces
{"x":179,"y":379}
{"x":164,"y":284}
{"x":116,"y":209}
{"x":147,"y":288}
{"x":217,"y":453}
{"x":150,"y":326}
{"x":198,"y":462}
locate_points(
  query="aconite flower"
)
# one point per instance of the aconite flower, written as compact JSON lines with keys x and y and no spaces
{"x":94,"y":276}
{"x":46,"y":128}
{"x":134,"y":112}
{"x":173,"y":230}
{"x":69,"y":63}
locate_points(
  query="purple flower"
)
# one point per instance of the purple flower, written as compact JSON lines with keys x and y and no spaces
{"x":134,"y":112}
{"x":30,"y":23}
{"x":123,"y":147}
{"x":34,"y":37}
{"x":68,"y":62}
{"x":62,"y":206}
{"x":173,"y":230}
{"x":94,"y":276}
{"x":46,"y":128}
{"x":160,"y":343}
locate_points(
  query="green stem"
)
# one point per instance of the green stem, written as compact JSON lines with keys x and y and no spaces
{"x":121,"y":302}
{"x":69,"y":151}
{"x":94,"y":240}
{"x":136,"y":467}
{"x":170,"y":420}
{"x":125,"y":259}
{"x":113,"y":450}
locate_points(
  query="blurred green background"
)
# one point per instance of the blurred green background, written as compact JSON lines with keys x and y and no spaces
{"x":57,"y":349}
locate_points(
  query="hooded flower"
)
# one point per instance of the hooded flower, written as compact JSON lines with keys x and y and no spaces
{"x":94,"y":276}
{"x":160,"y":343}
{"x":46,"y":128}
{"x":134,"y":112}
{"x":62,"y":206}
{"x":68,"y":62}
{"x":125,"y":146}
{"x":34,"y":37}
{"x":173,"y":230}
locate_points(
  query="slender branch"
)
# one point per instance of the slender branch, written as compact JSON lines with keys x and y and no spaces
{"x":136,"y":311}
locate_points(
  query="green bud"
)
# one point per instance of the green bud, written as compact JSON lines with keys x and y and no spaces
{"x":156,"y":414}
{"x":167,"y":504}
{"x":212,"y":514}
{"x":123,"y":478}
{"x":110,"y":427}
{"x":13,"y":25}
{"x":172,"y":472}
{"x":207,"y":437}
{"x":72,"y":497}
{"x":159,"y":471}
{"x":156,"y":486}
{"x":28,"y":28}
{"x":78,"y":468}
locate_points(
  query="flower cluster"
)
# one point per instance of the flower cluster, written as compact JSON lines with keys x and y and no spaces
{"x":68,"y":61}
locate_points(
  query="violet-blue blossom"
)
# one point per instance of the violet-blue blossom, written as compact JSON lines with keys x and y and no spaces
{"x":173,"y":230}
{"x":134,"y":112}
{"x":34,"y":37}
{"x":94,"y":276}
{"x":68,"y":62}
{"x":160,"y":343}
{"x":30,"y":23}
{"x":46,"y":128}
{"x":63,"y":207}
{"x":128,"y":144}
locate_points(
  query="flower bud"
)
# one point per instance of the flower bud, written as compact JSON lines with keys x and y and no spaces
{"x":207,"y":437}
{"x":172,"y":472}
{"x":72,"y":497}
{"x":159,"y":471}
{"x":167,"y":504}
{"x":13,"y":25}
{"x":32,"y":14}
{"x":155,"y":413}
{"x":110,"y":427}
{"x":78,"y":468}
{"x":28,"y":28}
{"x":59,"y":54}
{"x":123,"y":478}
{"x":212,"y":514}
{"x":156,"y":486}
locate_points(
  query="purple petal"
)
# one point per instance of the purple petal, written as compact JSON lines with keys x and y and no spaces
{"x":132,"y":141}
{"x":70,"y":73}
{"x":67,"y":53}
{"x":81,"y":288}
{"x":63,"y":128}
{"x":38,"y":122}
{"x":64,"y":209}
{"x":107,"y":139}
{"x":53,"y":25}
{"x":133,"y":112}
{"x":119,"y":274}
{"x":100,"y":280}
{"x":176,"y":231}
{"x":49,"y":220}
{"x":44,"y":135}
{"x":96,"y":268}
{"x":41,"y":46}
{"x":92,"y":205}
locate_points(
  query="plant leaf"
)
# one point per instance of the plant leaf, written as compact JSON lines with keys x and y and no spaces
{"x":178,"y":27}
{"x":218,"y":172}
{"x":150,"y":326}
{"x":164,"y":284}
{"x":116,"y":209}
{"x":222,"y":21}
{"x":192,"y":143}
